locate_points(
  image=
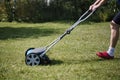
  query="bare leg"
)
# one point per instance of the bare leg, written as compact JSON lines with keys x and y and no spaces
{"x":114,"y":34}
{"x":113,"y":39}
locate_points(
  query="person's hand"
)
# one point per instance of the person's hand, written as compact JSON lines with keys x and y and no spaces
{"x":93,"y":7}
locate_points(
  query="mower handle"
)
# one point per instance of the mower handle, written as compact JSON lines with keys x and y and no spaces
{"x":86,"y":15}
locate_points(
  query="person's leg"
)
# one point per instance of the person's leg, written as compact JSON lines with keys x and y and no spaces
{"x":114,"y":25}
{"x":114,"y":37}
{"x":114,"y":34}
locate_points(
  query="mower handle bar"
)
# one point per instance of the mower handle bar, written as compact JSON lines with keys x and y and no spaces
{"x":86,"y":15}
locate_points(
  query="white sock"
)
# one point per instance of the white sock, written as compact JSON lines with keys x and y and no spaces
{"x":111,"y":51}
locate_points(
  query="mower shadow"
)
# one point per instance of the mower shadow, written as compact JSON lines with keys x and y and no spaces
{"x":23,"y":32}
{"x":56,"y":62}
{"x":88,"y":61}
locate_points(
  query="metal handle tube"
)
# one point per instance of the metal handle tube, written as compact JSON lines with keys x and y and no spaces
{"x":87,"y":12}
{"x":81,"y":20}
{"x":67,"y":31}
{"x":48,"y":48}
{"x":52,"y":44}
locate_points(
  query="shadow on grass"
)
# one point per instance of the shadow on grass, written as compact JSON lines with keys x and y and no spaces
{"x":23,"y":32}
{"x":71,"y":22}
{"x":53,"y":62}
{"x":59,"y":62}
{"x":56,"y":62}
{"x":89,"y":61}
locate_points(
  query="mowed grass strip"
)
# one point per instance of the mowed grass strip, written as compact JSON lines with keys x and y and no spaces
{"x":73,"y":58}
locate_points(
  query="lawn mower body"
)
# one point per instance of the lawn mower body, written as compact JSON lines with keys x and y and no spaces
{"x":37,"y":56}
{"x":33,"y":57}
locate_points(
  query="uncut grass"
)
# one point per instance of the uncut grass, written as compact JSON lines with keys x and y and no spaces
{"x":73,"y":58}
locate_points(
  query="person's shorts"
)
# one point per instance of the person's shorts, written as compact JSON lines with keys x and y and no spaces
{"x":116,"y":19}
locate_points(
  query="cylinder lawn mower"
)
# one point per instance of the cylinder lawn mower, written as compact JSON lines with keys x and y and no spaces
{"x":37,"y":56}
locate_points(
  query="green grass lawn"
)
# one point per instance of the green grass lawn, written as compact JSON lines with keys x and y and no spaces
{"x":73,"y":58}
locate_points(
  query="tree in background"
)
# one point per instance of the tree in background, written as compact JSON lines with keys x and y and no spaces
{"x":4,"y":13}
{"x":49,"y":10}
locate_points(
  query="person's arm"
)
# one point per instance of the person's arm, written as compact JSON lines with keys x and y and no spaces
{"x":97,"y":4}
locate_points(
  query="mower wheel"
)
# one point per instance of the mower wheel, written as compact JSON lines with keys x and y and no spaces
{"x":32,"y":59}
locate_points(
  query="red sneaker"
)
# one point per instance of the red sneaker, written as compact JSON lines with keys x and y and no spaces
{"x":104,"y":55}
